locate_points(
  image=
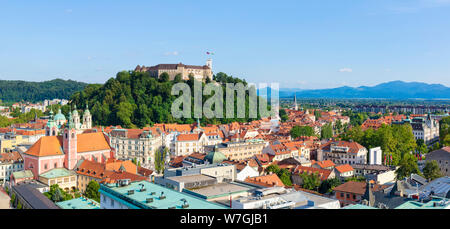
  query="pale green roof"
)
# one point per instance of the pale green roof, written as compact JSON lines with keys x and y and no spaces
{"x":441,"y":203}
{"x":55,"y":173}
{"x":137,"y":200}
{"x":79,"y":203}
{"x":358,"y":206}
{"x":60,"y":116}
{"x":215,"y":157}
{"x":23,"y":174}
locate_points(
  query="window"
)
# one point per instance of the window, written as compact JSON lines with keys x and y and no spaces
{"x":55,"y":165}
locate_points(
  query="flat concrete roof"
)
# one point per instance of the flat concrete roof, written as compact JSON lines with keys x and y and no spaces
{"x":221,"y":189}
{"x":191,"y":178}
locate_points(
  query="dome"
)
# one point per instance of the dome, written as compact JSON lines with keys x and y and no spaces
{"x":60,"y":116}
{"x":215,"y":157}
{"x":75,"y":112}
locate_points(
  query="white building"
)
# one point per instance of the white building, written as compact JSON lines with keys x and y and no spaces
{"x":375,"y":155}
{"x":9,"y":163}
{"x":343,"y":152}
{"x":281,"y":198}
{"x":136,"y":144}
{"x":247,"y":171}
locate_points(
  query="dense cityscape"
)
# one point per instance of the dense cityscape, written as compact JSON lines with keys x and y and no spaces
{"x":309,"y":156}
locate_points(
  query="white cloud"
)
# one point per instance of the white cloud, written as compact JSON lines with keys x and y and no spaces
{"x":174,"y":53}
{"x":345,"y":70}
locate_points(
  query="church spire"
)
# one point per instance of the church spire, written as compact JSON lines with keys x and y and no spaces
{"x":295,"y":102}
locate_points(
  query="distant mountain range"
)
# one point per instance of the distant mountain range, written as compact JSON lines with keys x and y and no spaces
{"x":389,"y":90}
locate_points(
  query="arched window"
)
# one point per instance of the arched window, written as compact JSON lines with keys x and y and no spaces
{"x":73,"y":135}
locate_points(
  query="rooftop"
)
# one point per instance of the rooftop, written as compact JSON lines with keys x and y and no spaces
{"x":59,"y":172}
{"x":220,"y":190}
{"x":358,"y":206}
{"x":79,"y":203}
{"x":34,"y":197}
{"x":139,"y":198}
{"x":435,"y":203}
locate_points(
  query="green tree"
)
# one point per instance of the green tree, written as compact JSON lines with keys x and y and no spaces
{"x":273,"y":168}
{"x":57,"y":196}
{"x":283,"y":115}
{"x":160,"y":156}
{"x":310,"y":181}
{"x":285,"y":177}
{"x":13,"y":199}
{"x":407,"y":166}
{"x":446,"y":141}
{"x":92,"y":191}
{"x":431,"y":170}
{"x":326,"y":132}
{"x":299,"y":131}
{"x":164,"y":77}
{"x":327,"y":186}
{"x":357,"y":179}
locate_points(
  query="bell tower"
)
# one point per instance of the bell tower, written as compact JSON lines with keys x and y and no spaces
{"x":87,"y":118}
{"x":70,"y":144}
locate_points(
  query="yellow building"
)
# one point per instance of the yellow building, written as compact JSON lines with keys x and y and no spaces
{"x":64,"y":178}
{"x":10,"y":142}
{"x":239,"y":150}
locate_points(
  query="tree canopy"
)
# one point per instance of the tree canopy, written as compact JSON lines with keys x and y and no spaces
{"x":135,"y":99}
{"x":300,"y":131}
{"x":431,"y":170}
{"x":16,"y":90}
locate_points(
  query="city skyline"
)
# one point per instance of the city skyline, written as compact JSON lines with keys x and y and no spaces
{"x":306,"y":45}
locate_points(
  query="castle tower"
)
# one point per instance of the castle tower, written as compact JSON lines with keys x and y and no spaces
{"x":51,"y":129}
{"x":209,"y":63}
{"x":87,"y":118}
{"x":70,"y":144}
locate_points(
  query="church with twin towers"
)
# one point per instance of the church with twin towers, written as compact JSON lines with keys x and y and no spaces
{"x":56,"y":123}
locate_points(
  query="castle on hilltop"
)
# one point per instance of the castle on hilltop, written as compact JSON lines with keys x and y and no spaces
{"x":198,"y":72}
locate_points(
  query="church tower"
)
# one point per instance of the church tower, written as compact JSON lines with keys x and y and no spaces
{"x":70,"y":144}
{"x":87,"y":118}
{"x":51,"y":129}
{"x":295,"y":102}
{"x":76,"y":118}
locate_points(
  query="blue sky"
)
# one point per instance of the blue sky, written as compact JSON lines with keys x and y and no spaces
{"x":301,"y":44}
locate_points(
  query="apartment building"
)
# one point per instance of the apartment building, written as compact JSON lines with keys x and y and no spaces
{"x":138,"y":144}
{"x":239,"y":150}
{"x":343,"y":152}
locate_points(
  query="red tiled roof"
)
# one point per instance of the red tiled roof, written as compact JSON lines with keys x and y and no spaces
{"x":188,"y":137}
{"x":324,"y":174}
{"x":267,"y":180}
{"x":324,"y":164}
{"x":357,"y":187}
{"x":344,"y":168}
